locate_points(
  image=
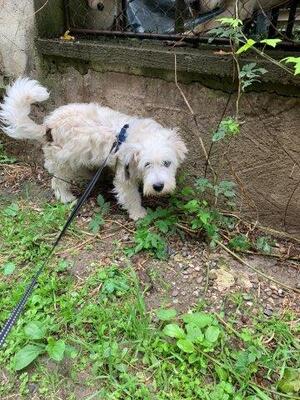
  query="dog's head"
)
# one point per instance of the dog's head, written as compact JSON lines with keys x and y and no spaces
{"x":154,"y":160}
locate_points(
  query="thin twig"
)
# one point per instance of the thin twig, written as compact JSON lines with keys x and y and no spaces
{"x":267,"y":277}
{"x":194,"y":118}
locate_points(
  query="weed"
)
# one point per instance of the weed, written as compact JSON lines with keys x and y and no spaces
{"x":98,"y":219}
{"x":4,"y":158}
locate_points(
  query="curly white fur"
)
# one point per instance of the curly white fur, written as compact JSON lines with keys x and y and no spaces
{"x":82,"y":137}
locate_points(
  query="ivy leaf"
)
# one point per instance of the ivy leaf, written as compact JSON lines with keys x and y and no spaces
{"x":56,"y":349}
{"x":173,"y":330}
{"x":166,"y":315}
{"x":9,"y":268}
{"x":212,"y":333}
{"x":186,"y":345}
{"x":247,"y":46}
{"x":271,"y":42}
{"x":35,"y":330}
{"x":26,"y":355}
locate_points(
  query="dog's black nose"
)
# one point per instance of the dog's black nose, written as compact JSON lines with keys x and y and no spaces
{"x":100,"y":6}
{"x":158,"y":187}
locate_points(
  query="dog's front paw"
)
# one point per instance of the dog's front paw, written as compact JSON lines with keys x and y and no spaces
{"x":65,"y":197}
{"x":138,"y":214}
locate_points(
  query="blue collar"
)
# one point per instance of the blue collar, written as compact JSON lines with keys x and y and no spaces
{"x":122,"y":136}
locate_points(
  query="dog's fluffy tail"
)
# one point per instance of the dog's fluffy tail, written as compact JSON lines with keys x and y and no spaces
{"x":16,"y":108}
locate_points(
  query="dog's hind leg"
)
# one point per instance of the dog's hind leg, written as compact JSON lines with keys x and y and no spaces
{"x":128,"y":196}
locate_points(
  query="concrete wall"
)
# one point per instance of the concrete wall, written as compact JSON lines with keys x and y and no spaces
{"x":16,"y":37}
{"x":264,"y":159}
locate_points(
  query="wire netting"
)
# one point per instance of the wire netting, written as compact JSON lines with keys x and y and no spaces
{"x":191,"y":18}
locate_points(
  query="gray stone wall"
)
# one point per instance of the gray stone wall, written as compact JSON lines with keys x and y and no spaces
{"x":263,"y":160}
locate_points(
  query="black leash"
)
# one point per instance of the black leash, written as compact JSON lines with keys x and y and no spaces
{"x":34,"y":280}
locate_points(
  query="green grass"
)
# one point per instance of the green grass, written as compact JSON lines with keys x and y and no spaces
{"x":99,"y":328}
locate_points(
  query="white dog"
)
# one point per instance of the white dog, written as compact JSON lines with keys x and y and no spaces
{"x":79,"y":136}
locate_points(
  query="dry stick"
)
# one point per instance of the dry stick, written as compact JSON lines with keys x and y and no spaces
{"x":194,"y":118}
{"x":237,"y":257}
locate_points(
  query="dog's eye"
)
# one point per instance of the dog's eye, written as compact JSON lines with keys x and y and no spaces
{"x":147,"y":165}
{"x":166,"y":164}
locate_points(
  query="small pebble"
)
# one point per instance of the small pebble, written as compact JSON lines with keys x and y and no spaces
{"x":175,"y":293}
{"x":197,"y":269}
{"x":199,"y":280}
{"x":280,"y":292}
{"x":298,"y":285}
{"x":175,"y":301}
{"x":268,"y":312}
{"x":196,"y":293}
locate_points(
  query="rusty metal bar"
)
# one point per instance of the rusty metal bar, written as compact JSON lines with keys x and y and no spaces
{"x":170,"y":37}
{"x":66,"y":14}
{"x":292,"y":18}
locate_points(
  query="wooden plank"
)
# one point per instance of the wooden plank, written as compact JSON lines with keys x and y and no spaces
{"x":132,"y":54}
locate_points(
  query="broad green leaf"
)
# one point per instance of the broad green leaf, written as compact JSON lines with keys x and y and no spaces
{"x":173,"y":330}
{"x":56,"y":349}
{"x":234,"y":22}
{"x":199,"y":319}
{"x":271,"y":42}
{"x":212,"y":333}
{"x":290,"y":382}
{"x":194,"y":333}
{"x":9,"y":268}
{"x":186,"y":345}
{"x":222,"y":373}
{"x":35,"y":330}
{"x":296,"y":61}
{"x":239,"y":242}
{"x":26,"y":355}
{"x":246,"y":46}
{"x":70,"y":351}
{"x":166,"y":314}
{"x":263,"y":244}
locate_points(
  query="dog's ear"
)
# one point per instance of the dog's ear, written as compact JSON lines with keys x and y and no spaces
{"x":179,"y":146}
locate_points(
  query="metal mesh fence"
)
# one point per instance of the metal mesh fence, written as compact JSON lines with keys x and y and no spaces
{"x":182,"y":18}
